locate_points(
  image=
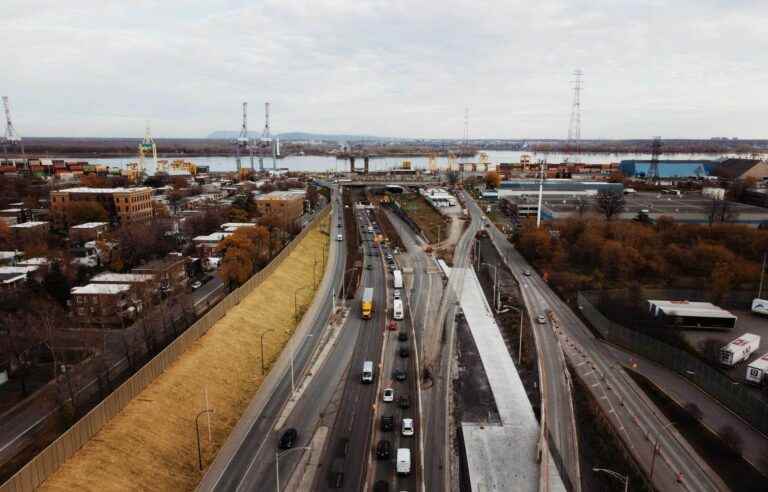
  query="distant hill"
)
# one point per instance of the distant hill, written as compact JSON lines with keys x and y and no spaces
{"x":294,"y":136}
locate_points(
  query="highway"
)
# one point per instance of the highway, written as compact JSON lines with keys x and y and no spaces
{"x":243,"y":454}
{"x":636,"y":420}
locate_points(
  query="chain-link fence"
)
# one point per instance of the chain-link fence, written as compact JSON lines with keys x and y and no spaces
{"x":52,"y":457}
{"x":733,"y":395}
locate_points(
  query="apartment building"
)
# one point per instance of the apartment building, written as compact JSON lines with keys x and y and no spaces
{"x":104,"y":305}
{"x":29,"y":232}
{"x":170,"y":273}
{"x":146,"y":287}
{"x":288,"y":206}
{"x":123,"y":205}
{"x":89,"y":231}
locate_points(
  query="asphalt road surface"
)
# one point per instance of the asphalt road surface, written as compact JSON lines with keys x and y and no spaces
{"x":240,"y":470}
{"x":635,"y":419}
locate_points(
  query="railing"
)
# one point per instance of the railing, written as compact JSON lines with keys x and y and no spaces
{"x":53,"y":457}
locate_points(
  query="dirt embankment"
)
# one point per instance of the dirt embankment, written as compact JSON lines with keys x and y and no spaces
{"x":151,"y":444}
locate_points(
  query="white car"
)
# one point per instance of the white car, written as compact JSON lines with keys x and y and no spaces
{"x":389,"y":395}
{"x":541,"y":319}
{"x":339,"y":237}
{"x":407,"y":427}
{"x":397,"y":293}
{"x":196,"y":285}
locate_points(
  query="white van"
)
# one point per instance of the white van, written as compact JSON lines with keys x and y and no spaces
{"x":398,"y":309}
{"x":367,"y":376}
{"x":403,"y":461}
{"x":398,"y":279}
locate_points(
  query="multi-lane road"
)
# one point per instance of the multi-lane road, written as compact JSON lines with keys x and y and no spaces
{"x":636,"y":420}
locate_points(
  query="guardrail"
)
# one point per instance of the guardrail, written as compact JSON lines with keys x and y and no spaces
{"x":53,"y":457}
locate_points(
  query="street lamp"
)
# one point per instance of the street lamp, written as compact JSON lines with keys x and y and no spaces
{"x":295,"y":301}
{"x":655,"y":450}
{"x":277,"y":464}
{"x":520,"y":341}
{"x":615,"y":475}
{"x":261,"y":337}
{"x":197,"y":432}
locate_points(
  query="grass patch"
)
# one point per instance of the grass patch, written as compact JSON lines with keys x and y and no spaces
{"x":737,"y":473}
{"x":429,"y":220}
{"x":151,"y":445}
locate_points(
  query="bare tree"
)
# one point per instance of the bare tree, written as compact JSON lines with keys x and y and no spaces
{"x":610,"y":203}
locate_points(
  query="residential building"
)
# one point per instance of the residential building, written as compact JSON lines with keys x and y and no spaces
{"x":206,"y":245}
{"x":14,"y":276}
{"x":170,"y":273}
{"x":106,"y":305}
{"x":10,"y":258}
{"x":88,"y":231}
{"x":28,"y":232}
{"x":288,"y":206}
{"x":123,"y":205}
{"x":146,"y":287}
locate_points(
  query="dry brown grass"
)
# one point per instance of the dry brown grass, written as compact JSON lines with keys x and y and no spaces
{"x":151,"y":444}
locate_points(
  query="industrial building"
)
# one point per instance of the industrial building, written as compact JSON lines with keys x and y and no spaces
{"x":691,"y":315}
{"x":633,"y":168}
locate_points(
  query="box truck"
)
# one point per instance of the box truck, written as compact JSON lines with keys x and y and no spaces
{"x":757,"y":369}
{"x":760,"y":306}
{"x":397,"y":311}
{"x":740,"y":349}
{"x":403,"y":461}
{"x":366,"y":306}
{"x":398,"y":276}
{"x":367,"y":374}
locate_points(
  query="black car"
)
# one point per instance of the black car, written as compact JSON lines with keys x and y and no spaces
{"x":343,"y":449}
{"x":404,"y":401}
{"x":336,"y":477}
{"x":402,"y":336}
{"x":383,"y":450}
{"x":404,"y":352}
{"x":387,"y":423}
{"x":400,"y":374}
{"x":288,"y":439}
{"x":381,"y":486}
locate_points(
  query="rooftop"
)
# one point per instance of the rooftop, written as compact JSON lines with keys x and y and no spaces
{"x":111,"y":277}
{"x":18,"y":269}
{"x":281,"y":195}
{"x":86,"y":189}
{"x":89,"y":225}
{"x":162,"y":263}
{"x":25,"y":225}
{"x":101,"y":289}
{"x":211,"y":238}
{"x":691,"y":308}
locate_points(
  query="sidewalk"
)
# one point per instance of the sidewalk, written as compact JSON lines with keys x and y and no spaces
{"x":714,"y":415}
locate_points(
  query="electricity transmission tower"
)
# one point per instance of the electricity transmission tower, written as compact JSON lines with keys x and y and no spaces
{"x":10,"y":137}
{"x":653,"y":169}
{"x":574,"y":127}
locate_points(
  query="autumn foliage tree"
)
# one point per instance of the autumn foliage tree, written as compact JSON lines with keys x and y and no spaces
{"x":245,"y":250}
{"x":86,"y":211}
{"x":492,"y":179}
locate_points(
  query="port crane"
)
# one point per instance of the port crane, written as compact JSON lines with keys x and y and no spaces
{"x":137,"y":170}
{"x":243,"y":142}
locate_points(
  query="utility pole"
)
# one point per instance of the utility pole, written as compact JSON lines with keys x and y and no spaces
{"x":543,"y":166}
{"x":574,"y":127}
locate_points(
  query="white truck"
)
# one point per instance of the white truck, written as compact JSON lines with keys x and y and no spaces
{"x":367,"y":375}
{"x":757,"y":369}
{"x":397,"y":309}
{"x":398,"y":277}
{"x":739,"y":349}
{"x":760,"y":306}
{"x":403,"y":461}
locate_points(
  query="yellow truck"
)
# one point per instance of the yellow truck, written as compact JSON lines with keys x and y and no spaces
{"x":367,"y":304}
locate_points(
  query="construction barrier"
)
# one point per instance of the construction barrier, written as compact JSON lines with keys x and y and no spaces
{"x":59,"y":451}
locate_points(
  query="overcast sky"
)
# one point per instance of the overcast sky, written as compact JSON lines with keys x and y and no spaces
{"x":678,"y":68}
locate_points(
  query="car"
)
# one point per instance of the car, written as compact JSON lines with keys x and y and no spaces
{"x":541,"y":319}
{"x":407,"y":429}
{"x":339,"y":225}
{"x":288,"y":439}
{"x":392,"y":267}
{"x":388,"y":395}
{"x":390,"y":257}
{"x":387,"y":423}
{"x":196,"y":285}
{"x":404,"y":352}
{"x":383,"y":450}
{"x":400,"y":374}
{"x":343,"y":449}
{"x":369,"y":266}
{"x":402,"y":336}
{"x":381,"y":486}
{"x":339,"y":237}
{"x":527,"y":273}
{"x":396,"y":293}
{"x":336,"y":477}
{"x":404,"y":401}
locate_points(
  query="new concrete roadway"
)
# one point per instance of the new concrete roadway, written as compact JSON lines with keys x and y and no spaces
{"x":636,"y":420}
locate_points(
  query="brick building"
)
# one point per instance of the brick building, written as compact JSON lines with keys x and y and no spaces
{"x":105,"y":305}
{"x":123,"y":205}
{"x":89,"y":231}
{"x":30,"y":232}
{"x":170,"y":273}
{"x":288,"y":206}
{"x":146,"y":287}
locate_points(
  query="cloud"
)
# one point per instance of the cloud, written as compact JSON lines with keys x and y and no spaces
{"x":674,"y":68}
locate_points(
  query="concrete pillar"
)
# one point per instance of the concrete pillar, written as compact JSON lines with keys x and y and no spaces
{"x":351,"y":163}
{"x":365,"y":171}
